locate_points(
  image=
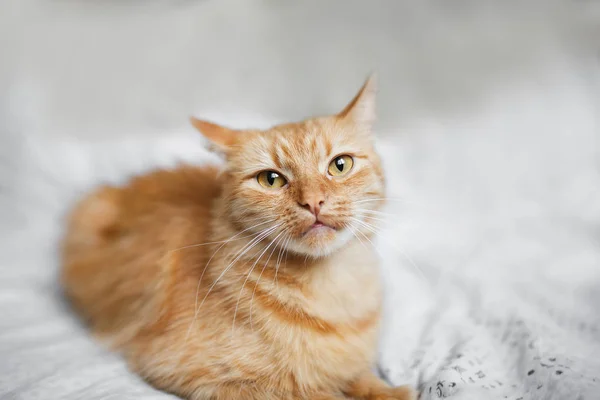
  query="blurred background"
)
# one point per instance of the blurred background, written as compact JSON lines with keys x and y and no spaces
{"x":489,"y":125}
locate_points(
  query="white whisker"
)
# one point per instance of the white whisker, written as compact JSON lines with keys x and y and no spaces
{"x":365,"y":236}
{"x":374,"y":230}
{"x":282,"y":250}
{"x":220,"y":241}
{"x":376,"y":212}
{"x":248,"y":276}
{"x":286,"y":252}
{"x":381,"y":199}
{"x":196,"y":308}
{"x":261,"y":273}
{"x":349,"y":227}
{"x":377,"y":219}
{"x":260,"y":235}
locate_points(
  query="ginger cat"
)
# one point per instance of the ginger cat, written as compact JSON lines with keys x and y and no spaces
{"x":248,"y":282}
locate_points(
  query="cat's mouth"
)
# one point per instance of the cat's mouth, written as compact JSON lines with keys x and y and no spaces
{"x":320,"y":236}
{"x":319,"y":226}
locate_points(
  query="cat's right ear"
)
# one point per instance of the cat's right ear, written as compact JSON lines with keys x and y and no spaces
{"x":220,"y":136}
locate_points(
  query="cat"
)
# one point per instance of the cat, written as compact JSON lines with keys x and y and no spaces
{"x":251,"y":281}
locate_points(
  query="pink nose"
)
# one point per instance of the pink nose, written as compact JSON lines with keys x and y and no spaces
{"x":313,"y":204}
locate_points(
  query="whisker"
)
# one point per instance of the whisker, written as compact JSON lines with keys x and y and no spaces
{"x":196,"y":308}
{"x":261,"y":273}
{"x":376,"y":212}
{"x":260,"y":235}
{"x":385,"y":221}
{"x":381,"y":255}
{"x":366,"y":237}
{"x":382,"y":199}
{"x":370,"y":227}
{"x":282,"y":250}
{"x":244,"y":219}
{"x":286,"y":252}
{"x":249,"y":246}
{"x":248,"y":276}
{"x":221,"y":241}
{"x":349,"y":226}
{"x":382,"y":237}
{"x":368,"y":200}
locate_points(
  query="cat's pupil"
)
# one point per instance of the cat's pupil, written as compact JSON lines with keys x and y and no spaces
{"x":339,"y":163}
{"x":271,"y":176}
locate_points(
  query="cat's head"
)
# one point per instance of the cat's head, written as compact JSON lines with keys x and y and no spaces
{"x":310,"y":186}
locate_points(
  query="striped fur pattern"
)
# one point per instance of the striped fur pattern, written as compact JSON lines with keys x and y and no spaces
{"x":214,"y":287}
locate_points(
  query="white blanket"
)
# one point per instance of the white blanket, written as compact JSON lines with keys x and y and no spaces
{"x":491,"y":259}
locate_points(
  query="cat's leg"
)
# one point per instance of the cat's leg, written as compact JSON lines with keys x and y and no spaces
{"x":243,"y":391}
{"x":369,"y":387}
{"x":233,"y":390}
{"x":327,"y":396}
{"x":239,"y":391}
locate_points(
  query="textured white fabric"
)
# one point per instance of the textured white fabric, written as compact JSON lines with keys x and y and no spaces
{"x":490,"y":260}
{"x":501,"y":218}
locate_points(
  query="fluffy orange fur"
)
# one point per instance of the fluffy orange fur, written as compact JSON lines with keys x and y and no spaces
{"x":214,"y":285}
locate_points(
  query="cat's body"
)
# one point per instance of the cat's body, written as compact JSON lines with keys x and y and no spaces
{"x":210,"y":295}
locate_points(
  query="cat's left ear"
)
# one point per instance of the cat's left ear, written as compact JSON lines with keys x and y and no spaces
{"x":220,"y":136}
{"x":361,"y":110}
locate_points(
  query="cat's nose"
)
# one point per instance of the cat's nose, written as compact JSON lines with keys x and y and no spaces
{"x":313,"y":204}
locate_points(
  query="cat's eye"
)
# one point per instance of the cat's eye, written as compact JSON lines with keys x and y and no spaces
{"x":340,"y":165}
{"x":271,"y":179}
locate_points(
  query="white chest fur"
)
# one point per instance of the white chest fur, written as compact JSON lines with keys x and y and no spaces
{"x":344,"y":292}
{"x":346,"y":286}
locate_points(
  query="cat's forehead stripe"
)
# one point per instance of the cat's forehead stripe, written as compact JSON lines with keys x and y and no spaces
{"x":290,"y":149}
{"x":328,"y":146}
{"x":277,"y":156}
{"x":285,"y":149}
{"x":312,"y":145}
{"x":281,"y":152}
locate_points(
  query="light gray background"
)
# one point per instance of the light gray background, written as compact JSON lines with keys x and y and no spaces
{"x":91,"y":67}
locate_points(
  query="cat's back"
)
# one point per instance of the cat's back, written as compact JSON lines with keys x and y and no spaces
{"x":117,"y":242}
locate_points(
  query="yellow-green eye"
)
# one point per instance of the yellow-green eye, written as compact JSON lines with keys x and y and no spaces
{"x":271,"y":179}
{"x":340,"y":165}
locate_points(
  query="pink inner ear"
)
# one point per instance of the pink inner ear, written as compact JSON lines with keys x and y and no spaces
{"x":217,"y":134}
